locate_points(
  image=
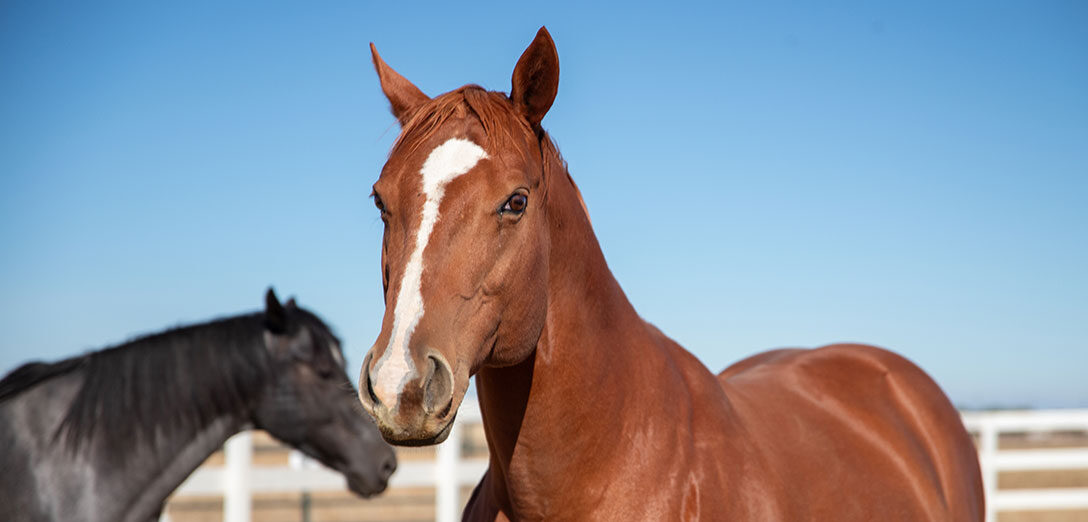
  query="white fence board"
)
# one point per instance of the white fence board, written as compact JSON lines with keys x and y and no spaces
{"x":1041,"y":499}
{"x":993,"y":460}
{"x":1041,"y":459}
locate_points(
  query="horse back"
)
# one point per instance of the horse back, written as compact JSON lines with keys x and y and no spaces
{"x":859,"y":420}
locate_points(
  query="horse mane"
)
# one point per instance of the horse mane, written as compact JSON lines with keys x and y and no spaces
{"x":177,"y":380}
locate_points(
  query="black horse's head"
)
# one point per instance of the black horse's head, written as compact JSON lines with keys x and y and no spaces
{"x":310,"y":403}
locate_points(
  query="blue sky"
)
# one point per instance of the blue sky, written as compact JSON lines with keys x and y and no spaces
{"x":759,"y":174}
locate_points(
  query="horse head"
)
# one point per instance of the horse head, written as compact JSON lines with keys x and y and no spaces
{"x":465,"y":253}
{"x":310,"y":402}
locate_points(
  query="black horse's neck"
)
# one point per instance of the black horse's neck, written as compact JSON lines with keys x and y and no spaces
{"x":141,"y":416}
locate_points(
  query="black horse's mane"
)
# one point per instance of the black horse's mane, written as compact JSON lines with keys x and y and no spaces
{"x":176,"y":380}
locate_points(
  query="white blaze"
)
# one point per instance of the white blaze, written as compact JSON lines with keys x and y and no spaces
{"x":447,"y":161}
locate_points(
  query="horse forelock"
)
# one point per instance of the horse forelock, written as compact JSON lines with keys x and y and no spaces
{"x":493,"y":110}
{"x":504,"y":129}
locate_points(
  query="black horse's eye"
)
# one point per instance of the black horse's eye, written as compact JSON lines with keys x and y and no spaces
{"x":516,"y":204}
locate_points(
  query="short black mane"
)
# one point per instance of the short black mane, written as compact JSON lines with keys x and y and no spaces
{"x":177,"y":380}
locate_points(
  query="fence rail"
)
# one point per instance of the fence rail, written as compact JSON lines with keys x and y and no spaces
{"x":990,"y":425}
{"x":238,"y":480}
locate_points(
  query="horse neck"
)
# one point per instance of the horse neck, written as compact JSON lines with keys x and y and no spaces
{"x":141,"y":481}
{"x":586,"y":363}
{"x":171,"y":461}
{"x":173,"y":443}
{"x":91,"y":481}
{"x":163,"y":461}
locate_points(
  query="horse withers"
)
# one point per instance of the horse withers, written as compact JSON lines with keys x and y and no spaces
{"x":491,"y":269}
{"x":107,"y":436}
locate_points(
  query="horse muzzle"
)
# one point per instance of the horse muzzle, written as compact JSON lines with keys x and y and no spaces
{"x":421,"y":412}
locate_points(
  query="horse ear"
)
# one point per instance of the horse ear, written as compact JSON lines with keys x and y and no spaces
{"x":536,"y":78}
{"x":403,"y":96}
{"x":290,"y":304}
{"x":275,"y":317}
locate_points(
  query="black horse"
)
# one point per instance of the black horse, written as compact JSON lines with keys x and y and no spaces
{"x":107,"y":436}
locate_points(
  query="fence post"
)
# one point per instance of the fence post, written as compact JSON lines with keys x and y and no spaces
{"x":446,"y":484}
{"x":236,"y":488}
{"x":987,"y":450}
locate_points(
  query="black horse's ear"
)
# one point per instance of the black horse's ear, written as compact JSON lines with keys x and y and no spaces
{"x":275,"y":317}
{"x":291,"y":303}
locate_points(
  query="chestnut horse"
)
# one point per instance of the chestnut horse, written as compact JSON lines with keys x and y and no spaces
{"x":491,"y":269}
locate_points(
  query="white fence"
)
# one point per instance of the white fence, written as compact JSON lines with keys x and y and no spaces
{"x":990,"y":425}
{"x":238,"y":480}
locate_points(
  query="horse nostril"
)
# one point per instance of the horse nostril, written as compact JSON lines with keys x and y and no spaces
{"x":389,"y":465}
{"x":438,"y":391}
{"x":370,"y":390}
{"x":368,"y":383}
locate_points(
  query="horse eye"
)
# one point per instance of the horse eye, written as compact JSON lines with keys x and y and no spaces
{"x":379,"y":203}
{"x":516,"y":204}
